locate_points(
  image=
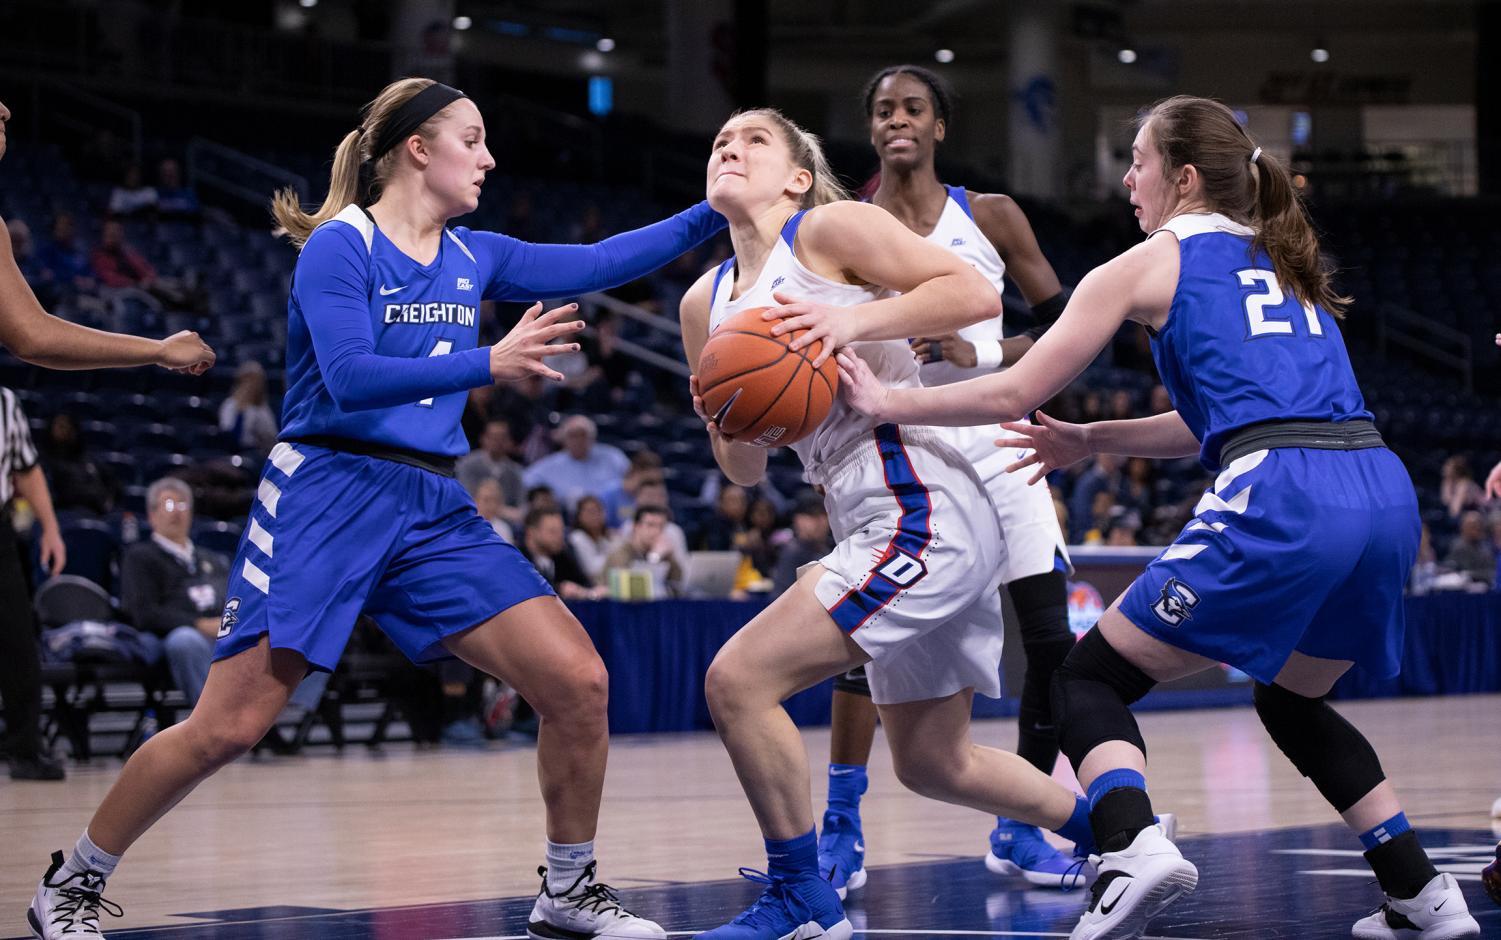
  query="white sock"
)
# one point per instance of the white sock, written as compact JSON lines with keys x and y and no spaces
{"x":565,"y":863}
{"x":89,"y":857}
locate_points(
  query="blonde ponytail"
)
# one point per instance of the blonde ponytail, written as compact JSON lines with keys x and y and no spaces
{"x":345,"y":185}
{"x":807,"y":152}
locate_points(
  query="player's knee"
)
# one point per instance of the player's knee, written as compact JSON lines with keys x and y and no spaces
{"x":1041,"y":603}
{"x":1320,"y":743}
{"x":581,"y":693}
{"x":217,"y":742}
{"x":1091,"y":694}
{"x":724,"y":686}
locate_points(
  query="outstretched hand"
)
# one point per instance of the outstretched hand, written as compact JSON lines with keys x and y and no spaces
{"x":833,"y":326}
{"x":1054,"y":445}
{"x":522,"y":351}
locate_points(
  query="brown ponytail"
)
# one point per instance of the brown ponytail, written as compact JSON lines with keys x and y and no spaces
{"x":344,"y":184}
{"x":1260,"y":193}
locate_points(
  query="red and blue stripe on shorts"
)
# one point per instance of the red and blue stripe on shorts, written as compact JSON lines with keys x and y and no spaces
{"x":900,"y":566}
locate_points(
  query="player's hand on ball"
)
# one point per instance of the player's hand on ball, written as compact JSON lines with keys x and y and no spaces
{"x":1054,"y":444}
{"x":860,"y":387}
{"x":950,"y":348}
{"x":185,"y":352}
{"x":833,"y":325}
{"x":699,"y":409}
{"x":522,"y":351}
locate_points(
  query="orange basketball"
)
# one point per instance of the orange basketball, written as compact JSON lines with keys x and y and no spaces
{"x":757,"y":389}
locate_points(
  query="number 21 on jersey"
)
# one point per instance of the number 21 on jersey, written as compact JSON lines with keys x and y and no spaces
{"x":1270,"y":295}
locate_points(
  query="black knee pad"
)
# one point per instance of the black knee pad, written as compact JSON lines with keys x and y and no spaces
{"x":1092,"y":694}
{"x":1324,"y":747}
{"x":853,"y":682}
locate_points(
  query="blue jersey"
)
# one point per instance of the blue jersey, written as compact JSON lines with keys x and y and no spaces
{"x":382,"y":349}
{"x":1238,"y":350}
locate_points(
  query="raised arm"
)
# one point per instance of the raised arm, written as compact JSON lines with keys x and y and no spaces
{"x":1005,"y":224}
{"x":331,"y":291}
{"x":1137,"y":284}
{"x":525,"y":271}
{"x":744,"y":464}
{"x":939,"y":293}
{"x":38,"y":337}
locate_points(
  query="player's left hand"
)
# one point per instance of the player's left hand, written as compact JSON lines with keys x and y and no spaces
{"x":860,"y":387}
{"x":950,"y":348}
{"x":833,"y":326}
{"x":1054,"y":444}
{"x":54,"y":554}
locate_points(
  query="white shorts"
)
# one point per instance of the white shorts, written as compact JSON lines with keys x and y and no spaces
{"x":915,"y":574}
{"x":1029,"y":523}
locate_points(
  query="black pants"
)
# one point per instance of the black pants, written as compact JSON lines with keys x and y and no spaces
{"x":20,"y":663}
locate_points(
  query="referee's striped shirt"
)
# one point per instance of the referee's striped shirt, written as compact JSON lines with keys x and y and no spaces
{"x":17,"y":452}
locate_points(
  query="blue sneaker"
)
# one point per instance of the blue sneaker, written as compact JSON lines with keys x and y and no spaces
{"x":841,"y":853}
{"x":800,"y":909}
{"x":1019,"y":849}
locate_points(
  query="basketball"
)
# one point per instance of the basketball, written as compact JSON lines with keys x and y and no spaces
{"x":758,"y":390}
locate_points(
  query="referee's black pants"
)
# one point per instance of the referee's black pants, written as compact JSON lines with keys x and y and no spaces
{"x":20,"y":663}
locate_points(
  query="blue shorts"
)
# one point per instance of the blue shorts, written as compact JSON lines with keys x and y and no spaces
{"x":1291,"y":549}
{"x":332,"y":535}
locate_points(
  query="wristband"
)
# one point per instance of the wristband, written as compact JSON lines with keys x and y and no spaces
{"x":988,"y":354}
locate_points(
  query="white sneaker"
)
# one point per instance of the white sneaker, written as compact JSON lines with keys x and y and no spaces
{"x":68,"y":908}
{"x":1437,"y":913}
{"x":587,"y":909}
{"x":1135,"y":884}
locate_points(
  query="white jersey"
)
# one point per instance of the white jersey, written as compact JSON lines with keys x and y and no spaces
{"x":892,"y":361}
{"x":958,"y":232}
{"x":1034,"y":540}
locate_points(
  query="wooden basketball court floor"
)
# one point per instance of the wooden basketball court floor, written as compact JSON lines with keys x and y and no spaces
{"x":405,"y":844}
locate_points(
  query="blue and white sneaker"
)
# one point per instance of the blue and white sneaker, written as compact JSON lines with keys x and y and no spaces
{"x":788,"y":909}
{"x":1019,"y":849}
{"x":841,"y":853}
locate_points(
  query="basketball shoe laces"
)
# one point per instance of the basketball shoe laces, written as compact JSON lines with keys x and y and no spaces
{"x":1074,"y":875}
{"x":774,"y":904}
{"x":595,"y":896}
{"x":82,"y":902}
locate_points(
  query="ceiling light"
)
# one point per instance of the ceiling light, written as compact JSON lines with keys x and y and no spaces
{"x":944,"y":56}
{"x":605,"y":44}
{"x":462,"y":22}
{"x":1126,"y":56}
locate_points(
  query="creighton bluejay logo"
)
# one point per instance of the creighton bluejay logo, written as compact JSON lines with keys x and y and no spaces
{"x":1176,"y":604}
{"x":230,"y":618}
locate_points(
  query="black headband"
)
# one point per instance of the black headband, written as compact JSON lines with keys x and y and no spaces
{"x":412,"y":115}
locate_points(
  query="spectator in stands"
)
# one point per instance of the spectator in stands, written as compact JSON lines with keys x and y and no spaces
{"x":494,"y":460}
{"x":246,"y":412}
{"x":592,"y":538}
{"x":61,"y":260}
{"x":541,"y":496}
{"x":491,"y":506}
{"x":810,"y":542}
{"x":647,"y":548}
{"x":1457,"y":489}
{"x":117,"y":264}
{"x":545,"y":545}
{"x":79,"y":483}
{"x":1122,"y":405}
{"x":607,"y":377}
{"x":1103,"y":475}
{"x":1101,"y":510}
{"x":1425,"y":568}
{"x":20,"y":664}
{"x":1159,"y":402}
{"x":171,"y":588}
{"x":1138,"y":489}
{"x":620,"y":502}
{"x":132,"y":197}
{"x":725,"y":529}
{"x":674,"y":539}
{"x":23,"y":249}
{"x":1472,"y":552}
{"x":524,"y":404}
{"x":1123,"y":527}
{"x":583,"y":466}
{"x":763,"y":539}
{"x":174,"y":199}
